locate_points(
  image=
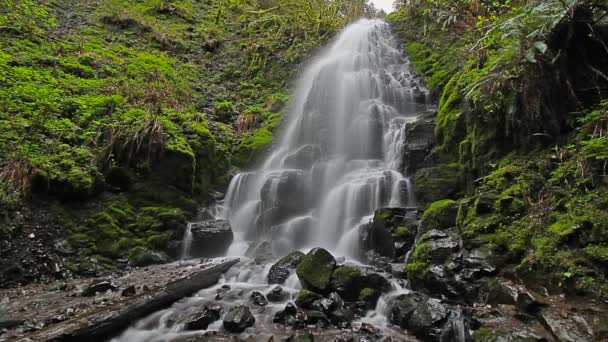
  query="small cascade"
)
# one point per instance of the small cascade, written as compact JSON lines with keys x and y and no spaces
{"x":186,"y":242}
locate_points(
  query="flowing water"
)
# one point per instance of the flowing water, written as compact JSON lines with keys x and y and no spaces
{"x":337,"y":159}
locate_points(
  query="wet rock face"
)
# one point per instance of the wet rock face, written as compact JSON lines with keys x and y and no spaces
{"x":280,"y":271}
{"x":211,"y":238}
{"x":419,"y":140}
{"x":278,"y":200}
{"x":304,"y":158}
{"x":238,"y":319}
{"x":258,"y":298}
{"x":391,"y":232}
{"x":277,"y":294}
{"x":316,"y":269}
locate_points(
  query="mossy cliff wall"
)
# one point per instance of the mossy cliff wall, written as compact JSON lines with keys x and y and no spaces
{"x":119,"y":118}
{"x":521,"y":128}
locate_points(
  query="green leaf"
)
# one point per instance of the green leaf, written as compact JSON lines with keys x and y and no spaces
{"x":530,"y":56}
{"x":541,"y":47}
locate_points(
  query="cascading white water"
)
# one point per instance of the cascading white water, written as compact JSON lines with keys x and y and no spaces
{"x":339,"y":156}
{"x":338,"y":159}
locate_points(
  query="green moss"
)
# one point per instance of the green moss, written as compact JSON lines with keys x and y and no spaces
{"x":402,"y":233}
{"x":139,"y":256}
{"x":419,"y":262}
{"x":306,"y":297}
{"x":440,"y":215}
{"x":436,"y":183}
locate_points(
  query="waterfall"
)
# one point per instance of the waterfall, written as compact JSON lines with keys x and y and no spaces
{"x":338,"y":157}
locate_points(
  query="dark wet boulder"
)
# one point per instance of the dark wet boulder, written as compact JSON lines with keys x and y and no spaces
{"x":425,"y":317}
{"x":316,"y":269}
{"x":370,"y":296}
{"x":440,"y":215}
{"x":210,"y":238}
{"x":390,"y":233}
{"x":258,"y":298}
{"x":341,"y":317}
{"x":280,"y":271}
{"x":329,"y":303}
{"x":198,"y":318}
{"x":238,"y":319}
{"x":347,"y":281}
{"x":99,"y":286}
{"x":480,"y":262}
{"x":291,"y":317}
{"x":129,"y":291}
{"x":277,"y":294}
{"x":567,"y":327}
{"x":318,"y":318}
{"x":308,"y":300}
{"x":436,"y":264}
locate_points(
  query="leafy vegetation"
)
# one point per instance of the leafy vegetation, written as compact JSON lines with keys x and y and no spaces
{"x":130,"y":112}
{"x":521,"y":130}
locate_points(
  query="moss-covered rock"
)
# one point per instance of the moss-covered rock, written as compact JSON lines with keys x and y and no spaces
{"x":440,"y":215}
{"x":347,"y":281}
{"x":369,"y":296}
{"x":139,"y":256}
{"x":306,"y":299}
{"x":315,"y":270}
{"x":436,"y":183}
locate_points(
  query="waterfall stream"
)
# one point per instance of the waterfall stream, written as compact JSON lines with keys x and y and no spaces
{"x":337,"y":159}
{"x":339,"y":156}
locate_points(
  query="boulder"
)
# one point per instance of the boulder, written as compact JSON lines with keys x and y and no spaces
{"x":129,"y":291}
{"x":210,"y":238}
{"x":318,"y":318}
{"x":198,"y":318}
{"x":99,"y":286}
{"x":389,"y":233}
{"x":567,"y":328}
{"x":425,"y":317}
{"x":347,"y":281}
{"x":277,"y":294}
{"x":341,"y":317}
{"x":316,"y":269}
{"x":436,"y":264}
{"x":307,"y":299}
{"x":290,"y":316}
{"x":280,"y":271}
{"x":370,"y":296}
{"x":238,"y":319}
{"x":440,"y":215}
{"x":258,"y":298}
